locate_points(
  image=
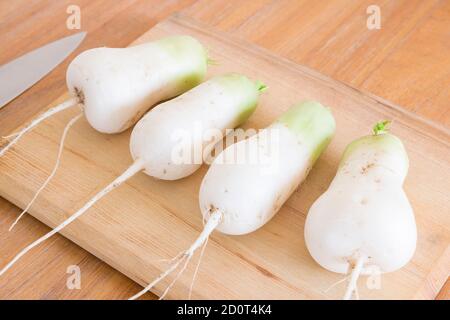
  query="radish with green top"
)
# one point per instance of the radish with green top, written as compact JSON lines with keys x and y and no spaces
{"x":364,"y":219}
{"x":115,"y":86}
{"x":223,"y":102}
{"x":220,"y":103}
{"x":249,"y":181}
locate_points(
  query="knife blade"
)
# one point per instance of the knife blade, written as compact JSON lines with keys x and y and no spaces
{"x":20,"y":74}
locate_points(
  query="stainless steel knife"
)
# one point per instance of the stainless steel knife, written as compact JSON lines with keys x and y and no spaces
{"x":20,"y":74}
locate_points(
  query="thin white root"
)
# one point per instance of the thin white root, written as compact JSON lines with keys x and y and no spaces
{"x":352,"y":286}
{"x":160,"y":277}
{"x":55,"y":168}
{"x":209,"y":227}
{"x":187,"y":259}
{"x":336,"y":283}
{"x":194,"y":277}
{"x":137,"y":166}
{"x":9,"y":136}
{"x":171,"y":260}
{"x":65,"y":105}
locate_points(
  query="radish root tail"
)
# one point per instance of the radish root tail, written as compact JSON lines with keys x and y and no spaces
{"x":352,"y":285}
{"x":194,"y":277}
{"x":65,"y":105}
{"x":55,"y":168}
{"x":185,"y":256}
{"x":186,"y":262}
{"x":336,"y":283}
{"x":9,"y":136}
{"x":137,"y":166}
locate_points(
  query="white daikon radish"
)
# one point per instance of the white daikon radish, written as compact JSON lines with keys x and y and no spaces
{"x":364,"y":219}
{"x":220,"y":103}
{"x":249,"y":181}
{"x":115,"y":86}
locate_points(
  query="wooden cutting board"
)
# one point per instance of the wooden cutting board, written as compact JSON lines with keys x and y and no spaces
{"x":146,"y":220}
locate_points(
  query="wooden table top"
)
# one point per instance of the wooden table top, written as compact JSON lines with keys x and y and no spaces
{"x":406,"y":61}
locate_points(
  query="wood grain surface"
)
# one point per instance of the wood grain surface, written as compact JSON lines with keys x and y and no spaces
{"x":406,"y":61}
{"x":146,"y":220}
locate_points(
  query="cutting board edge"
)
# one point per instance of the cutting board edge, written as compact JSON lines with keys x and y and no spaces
{"x":182,"y":19}
{"x":312,"y":73}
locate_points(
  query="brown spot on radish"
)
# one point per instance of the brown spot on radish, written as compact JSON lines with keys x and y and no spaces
{"x":79,"y":94}
{"x":364,"y":201}
{"x":367,"y":167}
{"x":211,"y":208}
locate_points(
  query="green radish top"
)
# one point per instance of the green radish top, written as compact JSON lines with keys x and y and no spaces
{"x":178,"y":45}
{"x":234,"y":83}
{"x":381,"y":143}
{"x":187,"y":48}
{"x":312,"y":123}
{"x":381,"y":127}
